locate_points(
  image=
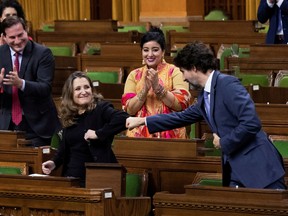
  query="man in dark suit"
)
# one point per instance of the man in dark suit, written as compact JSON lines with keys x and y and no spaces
{"x":30,"y":78}
{"x":249,"y":159}
{"x":276,"y":11}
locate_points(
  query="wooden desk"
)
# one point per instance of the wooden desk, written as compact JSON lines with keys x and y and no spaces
{"x":85,"y":25}
{"x":257,"y":65}
{"x":8,"y":139}
{"x":215,"y":39}
{"x":128,"y":64}
{"x":268,"y":50}
{"x":268,"y":95}
{"x":102,"y":175}
{"x":109,"y":90}
{"x":41,"y":200}
{"x":274,"y":119}
{"x":171,"y":163}
{"x":239,"y":27}
{"x":34,"y":157}
{"x":117,"y":49}
{"x":215,"y":201}
{"x":42,"y":181}
{"x":81,"y":38}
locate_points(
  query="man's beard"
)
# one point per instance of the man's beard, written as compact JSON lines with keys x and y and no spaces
{"x":193,"y":86}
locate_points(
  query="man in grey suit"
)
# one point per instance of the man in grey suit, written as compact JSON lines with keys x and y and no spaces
{"x":249,"y":159}
{"x":30,"y":78}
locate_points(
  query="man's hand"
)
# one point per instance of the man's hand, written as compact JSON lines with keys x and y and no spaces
{"x":133,"y":122}
{"x":2,"y":76}
{"x":12,"y":79}
{"x":216,"y":141}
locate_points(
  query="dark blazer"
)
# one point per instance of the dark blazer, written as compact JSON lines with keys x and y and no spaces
{"x":74,"y":151}
{"x":233,"y":117}
{"x":37,"y":69}
{"x":266,"y":13}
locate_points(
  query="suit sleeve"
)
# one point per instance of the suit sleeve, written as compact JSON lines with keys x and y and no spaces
{"x":264,"y":12}
{"x":244,"y":124}
{"x":114,"y":119}
{"x":43,"y":72}
{"x":163,"y":122}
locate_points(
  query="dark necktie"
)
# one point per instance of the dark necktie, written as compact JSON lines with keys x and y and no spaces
{"x":207,"y":104}
{"x":16,"y":106}
{"x":279,"y":27}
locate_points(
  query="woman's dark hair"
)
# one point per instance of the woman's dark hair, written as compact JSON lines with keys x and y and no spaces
{"x":68,"y":109}
{"x":13,"y":4}
{"x":154,"y":34}
{"x":198,"y":55}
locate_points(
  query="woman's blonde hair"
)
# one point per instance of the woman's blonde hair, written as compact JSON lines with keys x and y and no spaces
{"x":68,"y":109}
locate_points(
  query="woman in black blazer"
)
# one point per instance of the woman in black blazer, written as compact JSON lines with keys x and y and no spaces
{"x":89,"y":128}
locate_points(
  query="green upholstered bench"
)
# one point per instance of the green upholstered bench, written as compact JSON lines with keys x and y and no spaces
{"x":254,"y":79}
{"x":103,"y":76}
{"x":136,"y":182}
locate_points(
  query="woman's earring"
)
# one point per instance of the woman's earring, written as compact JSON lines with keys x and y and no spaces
{"x":143,"y":62}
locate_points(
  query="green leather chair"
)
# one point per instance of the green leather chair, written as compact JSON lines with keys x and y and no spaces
{"x":13,"y":168}
{"x":254,"y":79}
{"x":48,"y":28}
{"x":104,"y":77}
{"x":283,"y":82}
{"x":176,"y":28}
{"x":282,"y":146}
{"x":211,"y":182}
{"x":55,"y":141}
{"x":136,"y":183}
{"x":216,"y":15}
{"x":92,"y":48}
{"x":140,"y":29}
{"x":10,"y":170}
{"x":241,"y":52}
{"x":133,"y":185}
{"x":61,"y":50}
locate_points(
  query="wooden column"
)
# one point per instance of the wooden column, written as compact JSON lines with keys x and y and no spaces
{"x":170,"y":11}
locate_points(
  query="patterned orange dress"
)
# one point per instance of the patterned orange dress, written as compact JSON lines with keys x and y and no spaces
{"x":171,"y":78}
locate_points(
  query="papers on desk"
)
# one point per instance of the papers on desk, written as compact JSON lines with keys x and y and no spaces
{"x":38,"y":175}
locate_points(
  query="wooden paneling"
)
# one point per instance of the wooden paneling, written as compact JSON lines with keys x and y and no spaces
{"x":70,"y":201}
{"x":215,"y":201}
{"x":171,"y":163}
{"x":101,"y":9}
{"x":84,"y":26}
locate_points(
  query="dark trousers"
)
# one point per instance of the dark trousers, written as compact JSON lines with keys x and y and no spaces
{"x":235,"y":182}
{"x":279,"y":39}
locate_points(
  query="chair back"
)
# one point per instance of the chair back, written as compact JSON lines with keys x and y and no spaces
{"x":105,"y":74}
{"x":281,"y":79}
{"x":136,"y":182}
{"x":208,"y":179}
{"x":254,"y":79}
{"x":281,"y":143}
{"x":13,"y":168}
{"x":62,"y":48}
{"x":216,"y":15}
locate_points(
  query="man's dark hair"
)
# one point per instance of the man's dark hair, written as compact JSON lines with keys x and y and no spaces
{"x":198,"y":55}
{"x":11,"y":21}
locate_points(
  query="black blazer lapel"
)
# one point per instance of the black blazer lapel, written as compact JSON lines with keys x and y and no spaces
{"x":26,"y":56}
